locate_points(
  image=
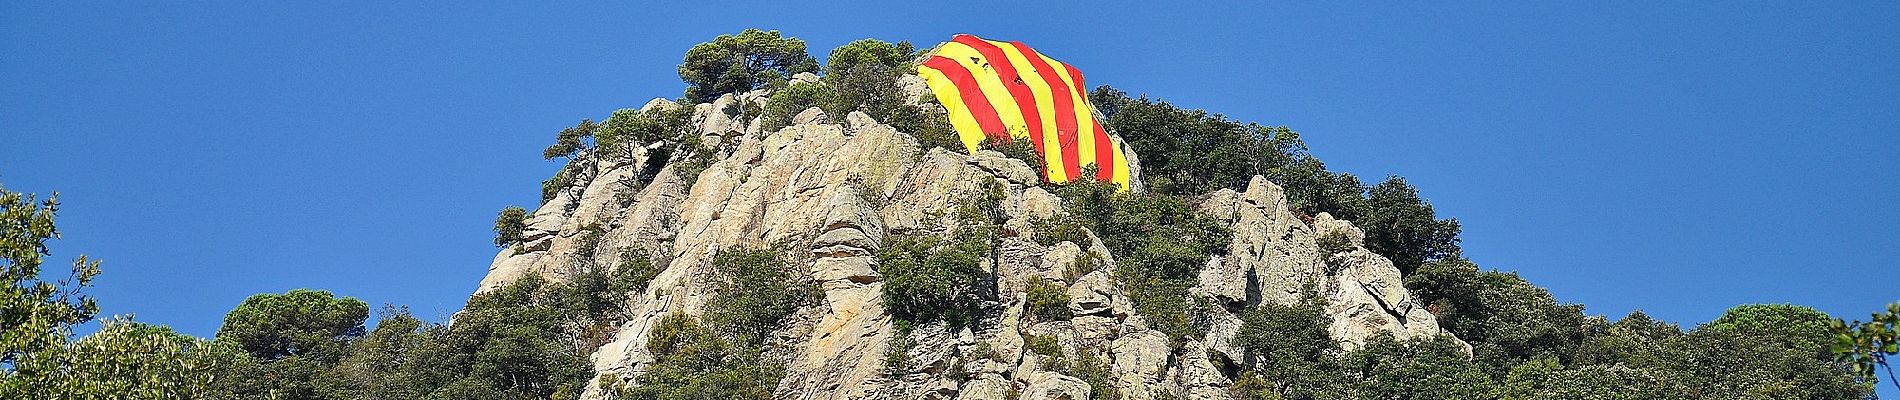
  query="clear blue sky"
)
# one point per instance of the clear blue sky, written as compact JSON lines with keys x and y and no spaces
{"x":1673,"y":157}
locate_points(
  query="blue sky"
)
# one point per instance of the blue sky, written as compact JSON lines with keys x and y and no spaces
{"x":1673,"y":157}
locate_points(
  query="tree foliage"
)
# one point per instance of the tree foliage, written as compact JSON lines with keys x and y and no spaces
{"x":752,"y":59}
{"x":1866,"y":345}
{"x":509,"y":225}
{"x":794,"y":99}
{"x":756,"y":292}
{"x":928,"y":122}
{"x":1293,"y":356}
{"x":35,"y":314}
{"x":301,"y":322}
{"x":39,"y":358}
{"x":1401,"y":226}
{"x":1506,"y":320}
{"x":864,"y":74}
{"x":927,"y":277}
{"x":1190,"y":152}
{"x":1416,"y":369}
{"x":127,"y":360}
{"x":1187,"y":152}
{"x":571,"y":141}
{"x":628,"y":128}
{"x":873,"y":52}
{"x":694,"y":362}
{"x":1160,"y":244}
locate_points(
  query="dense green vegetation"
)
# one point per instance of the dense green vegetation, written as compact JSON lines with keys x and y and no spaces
{"x":1046,"y":300}
{"x":723,"y":358}
{"x":1752,"y":352}
{"x":1159,"y":243}
{"x":1190,"y":152}
{"x":528,"y":340}
{"x":693,"y":362}
{"x":931,"y":276}
{"x":1525,"y":344}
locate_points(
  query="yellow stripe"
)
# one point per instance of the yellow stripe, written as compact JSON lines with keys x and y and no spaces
{"x":1084,"y":115}
{"x":1045,"y":108}
{"x":952,"y":100}
{"x":991,"y":84}
{"x":1121,"y":164}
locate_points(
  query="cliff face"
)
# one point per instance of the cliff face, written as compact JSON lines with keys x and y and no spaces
{"x":831,"y":187}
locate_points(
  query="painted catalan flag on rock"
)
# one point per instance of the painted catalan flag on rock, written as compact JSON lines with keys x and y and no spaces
{"x":1008,"y":90}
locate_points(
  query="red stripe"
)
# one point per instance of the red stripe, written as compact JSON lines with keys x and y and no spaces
{"x":1017,"y":89}
{"x":1104,"y":158}
{"x":972,"y":94}
{"x":1080,"y":88}
{"x":1065,"y":107}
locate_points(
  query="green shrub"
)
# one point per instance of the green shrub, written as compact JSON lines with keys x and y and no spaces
{"x":1505,"y":319}
{"x":1190,"y":152}
{"x":1434,"y":368}
{"x":867,"y":87}
{"x":1048,"y":301}
{"x":1050,"y":231}
{"x":739,"y":63}
{"x":928,"y":278}
{"x":553,"y":185}
{"x":1084,"y":264}
{"x":1290,"y":347}
{"x":1020,"y":149}
{"x":1100,"y":377}
{"x":509,"y":225}
{"x":1334,"y":242}
{"x":1763,"y":351}
{"x":864,"y":76}
{"x":698,"y":156}
{"x":693,"y":362}
{"x":982,"y":351}
{"x":928,"y":123}
{"x":1160,"y":244}
{"x":635,"y":270}
{"x":1047,"y":346}
{"x":506,"y":344}
{"x":897,"y":355}
{"x":755,"y":293}
{"x":129,"y":360}
{"x":1311,"y":189}
{"x":600,"y":293}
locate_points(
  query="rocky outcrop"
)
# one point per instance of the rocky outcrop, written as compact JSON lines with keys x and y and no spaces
{"x":1274,"y":256}
{"x":832,"y":187}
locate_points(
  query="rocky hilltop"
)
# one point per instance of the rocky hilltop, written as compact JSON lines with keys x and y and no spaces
{"x":832,"y":187}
